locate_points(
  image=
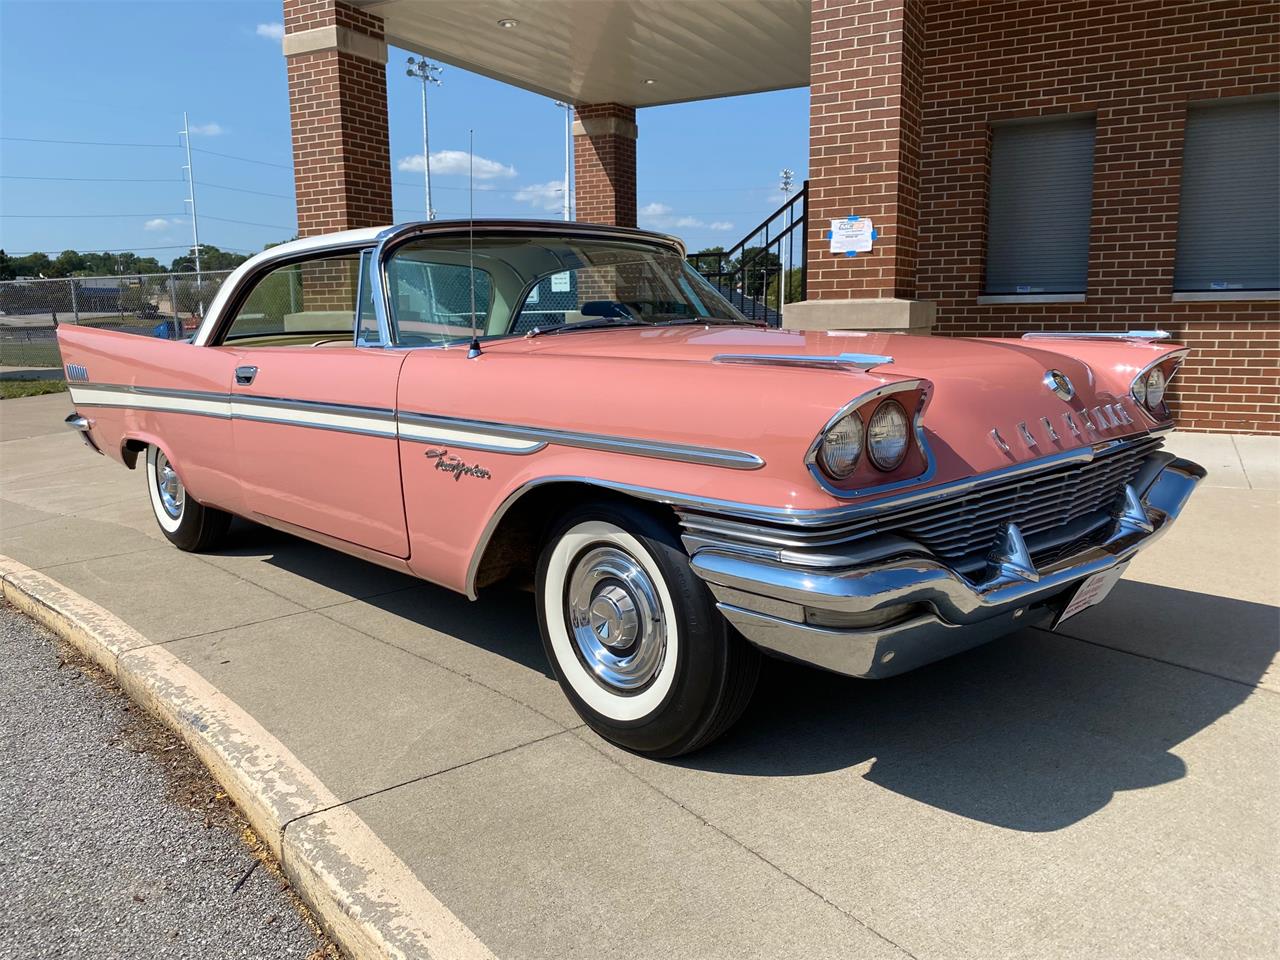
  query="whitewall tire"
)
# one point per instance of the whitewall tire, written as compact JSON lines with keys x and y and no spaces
{"x":634,"y":636}
{"x":185,"y":523}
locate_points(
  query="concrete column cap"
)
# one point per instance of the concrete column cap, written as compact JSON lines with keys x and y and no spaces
{"x":334,"y":37}
{"x":605,"y":127}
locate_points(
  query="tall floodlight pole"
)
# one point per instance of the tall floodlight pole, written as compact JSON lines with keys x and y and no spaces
{"x":786,"y":181}
{"x":568,"y":140}
{"x":427,"y":72}
{"x":191,"y":199}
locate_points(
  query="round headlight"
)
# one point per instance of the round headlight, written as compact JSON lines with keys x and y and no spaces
{"x":1155,"y":388}
{"x":887,"y":435}
{"x":1140,"y":390}
{"x":840,"y":448}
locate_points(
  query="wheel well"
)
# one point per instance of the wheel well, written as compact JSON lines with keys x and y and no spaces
{"x":129,"y":451}
{"x":512,"y":550}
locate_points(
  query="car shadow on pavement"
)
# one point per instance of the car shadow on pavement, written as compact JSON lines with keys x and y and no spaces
{"x":1033,"y":732}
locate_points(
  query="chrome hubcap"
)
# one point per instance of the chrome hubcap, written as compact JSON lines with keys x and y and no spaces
{"x":616,"y":619}
{"x":169,"y":487}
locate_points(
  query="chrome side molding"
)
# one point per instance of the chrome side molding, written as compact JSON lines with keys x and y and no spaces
{"x":1137,"y":335}
{"x":842,"y":361}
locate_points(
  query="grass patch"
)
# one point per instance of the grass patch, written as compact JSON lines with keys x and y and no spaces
{"x":11,"y":389}
{"x":33,"y":353}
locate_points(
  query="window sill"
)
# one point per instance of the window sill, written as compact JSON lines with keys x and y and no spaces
{"x":1032,"y":298}
{"x":1201,"y":296}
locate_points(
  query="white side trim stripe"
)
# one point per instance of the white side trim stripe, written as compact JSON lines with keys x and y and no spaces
{"x":486,"y":441}
{"x":91,"y":396}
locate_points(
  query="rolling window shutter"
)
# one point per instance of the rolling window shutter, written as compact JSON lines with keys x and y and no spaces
{"x":1229,"y":217}
{"x":1039,"y":205}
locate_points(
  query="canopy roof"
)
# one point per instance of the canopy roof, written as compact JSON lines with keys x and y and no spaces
{"x":605,"y":51}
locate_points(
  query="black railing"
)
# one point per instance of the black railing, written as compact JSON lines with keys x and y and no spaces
{"x":765,"y":269}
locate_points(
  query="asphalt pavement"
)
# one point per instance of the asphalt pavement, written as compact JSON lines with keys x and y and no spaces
{"x":115,"y":842}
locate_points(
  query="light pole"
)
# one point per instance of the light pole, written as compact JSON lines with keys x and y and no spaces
{"x":427,"y":72}
{"x":191,"y":199}
{"x":787,"y":179}
{"x":568,"y":126}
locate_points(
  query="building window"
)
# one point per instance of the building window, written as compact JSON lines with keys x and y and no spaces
{"x":1038,"y":206}
{"x":1229,"y":218}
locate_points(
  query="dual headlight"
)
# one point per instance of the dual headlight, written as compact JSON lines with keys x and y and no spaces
{"x":1149,"y":389}
{"x":885,"y":438}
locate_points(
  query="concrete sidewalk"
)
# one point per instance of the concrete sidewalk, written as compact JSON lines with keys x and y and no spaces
{"x":1110,"y":792}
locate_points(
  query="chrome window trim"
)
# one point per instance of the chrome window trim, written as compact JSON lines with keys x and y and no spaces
{"x":843,"y":361}
{"x":1140,"y":335}
{"x":389,"y":240}
{"x":930,"y":465}
{"x":654,"y":449}
{"x":214,"y":337}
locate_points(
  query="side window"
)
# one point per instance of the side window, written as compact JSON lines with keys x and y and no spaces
{"x":432,"y":301}
{"x":300,"y":303}
{"x":366,"y":317}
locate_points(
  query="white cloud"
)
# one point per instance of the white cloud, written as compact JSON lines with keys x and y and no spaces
{"x":159,"y":223}
{"x":207,"y":129}
{"x":543,"y":196}
{"x":660,"y":216}
{"x":456,"y":163}
{"x":271,"y":31}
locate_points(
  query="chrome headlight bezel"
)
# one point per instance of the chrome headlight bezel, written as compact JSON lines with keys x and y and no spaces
{"x":852,"y":429}
{"x":885,"y":410}
{"x":1140,"y":388}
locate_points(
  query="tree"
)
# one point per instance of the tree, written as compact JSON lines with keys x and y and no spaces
{"x":211,"y":258}
{"x":7,"y":268}
{"x":68,"y":262}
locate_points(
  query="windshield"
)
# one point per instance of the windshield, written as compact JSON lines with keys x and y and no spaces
{"x":543,"y":284}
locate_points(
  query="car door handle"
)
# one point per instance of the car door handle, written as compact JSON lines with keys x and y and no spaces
{"x":245,"y":375}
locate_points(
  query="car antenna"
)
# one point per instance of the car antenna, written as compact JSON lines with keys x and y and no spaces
{"x":474,"y":350}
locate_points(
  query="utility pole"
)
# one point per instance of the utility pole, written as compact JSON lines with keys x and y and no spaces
{"x":191,"y":199}
{"x":568,"y":127}
{"x":427,"y":72}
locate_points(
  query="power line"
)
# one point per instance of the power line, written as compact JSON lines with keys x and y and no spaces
{"x":11,"y":176}
{"x":88,"y":143}
{"x":201,"y":183}
{"x":231,"y":156}
{"x":78,"y":216}
{"x":120,"y":249}
{"x":247,"y":223}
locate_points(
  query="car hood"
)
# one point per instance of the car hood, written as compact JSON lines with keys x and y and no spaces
{"x":979,"y":385}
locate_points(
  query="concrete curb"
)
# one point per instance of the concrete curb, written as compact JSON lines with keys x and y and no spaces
{"x":371,"y":903}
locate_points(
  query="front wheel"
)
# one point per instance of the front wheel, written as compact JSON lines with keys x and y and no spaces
{"x":634,"y":636}
{"x":187,"y":525}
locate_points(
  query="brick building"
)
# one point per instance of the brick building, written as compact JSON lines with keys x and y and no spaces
{"x":1028,"y":164}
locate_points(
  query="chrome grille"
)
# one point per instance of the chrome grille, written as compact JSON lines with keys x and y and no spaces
{"x":952,"y":527}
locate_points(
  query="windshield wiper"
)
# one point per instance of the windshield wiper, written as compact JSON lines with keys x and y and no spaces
{"x":587,"y":325}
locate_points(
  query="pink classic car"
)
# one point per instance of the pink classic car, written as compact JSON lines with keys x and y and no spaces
{"x":683,"y":489}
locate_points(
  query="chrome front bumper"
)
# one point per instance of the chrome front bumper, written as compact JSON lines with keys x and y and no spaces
{"x":881,"y":618}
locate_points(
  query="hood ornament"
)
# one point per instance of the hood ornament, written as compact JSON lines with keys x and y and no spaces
{"x":1058,"y":382}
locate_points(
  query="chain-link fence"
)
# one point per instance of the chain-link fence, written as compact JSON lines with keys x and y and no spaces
{"x":166,"y":305}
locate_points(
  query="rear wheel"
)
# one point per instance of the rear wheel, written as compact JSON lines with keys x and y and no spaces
{"x":187,"y":525}
{"x":634,"y":636}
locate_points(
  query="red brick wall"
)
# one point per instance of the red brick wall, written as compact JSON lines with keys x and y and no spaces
{"x":864,"y":143}
{"x":604,"y":169}
{"x":1135,"y":65}
{"x":338,"y":106}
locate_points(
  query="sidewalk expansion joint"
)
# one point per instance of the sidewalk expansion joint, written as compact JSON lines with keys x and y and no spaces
{"x":1167,"y":663}
{"x":594,"y":745}
{"x":429,"y":776}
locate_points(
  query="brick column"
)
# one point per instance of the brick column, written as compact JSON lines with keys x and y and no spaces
{"x":604,"y":164}
{"x":337,"y":58}
{"x":866,"y":66}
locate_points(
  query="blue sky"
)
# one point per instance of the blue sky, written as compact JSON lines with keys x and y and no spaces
{"x":125,"y":72}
